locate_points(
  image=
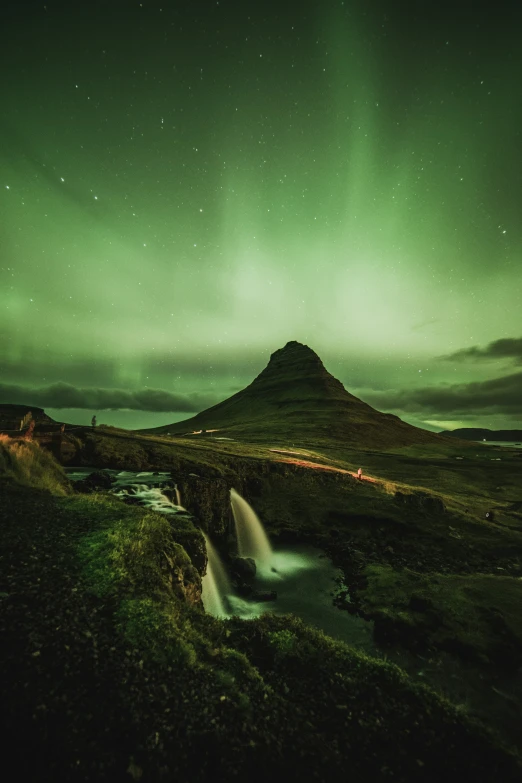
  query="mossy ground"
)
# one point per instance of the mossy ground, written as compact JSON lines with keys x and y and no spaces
{"x":109,"y":673}
{"x":478,"y":614}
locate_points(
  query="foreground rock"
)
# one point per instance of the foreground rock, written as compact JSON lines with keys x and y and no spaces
{"x":99,"y":480}
{"x":244,"y":567}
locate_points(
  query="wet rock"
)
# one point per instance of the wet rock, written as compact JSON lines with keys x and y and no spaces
{"x":191,"y":539}
{"x":186,"y":582}
{"x":208,"y":499}
{"x":243,"y":567}
{"x":94,"y":482}
{"x":131,"y":500}
{"x":243,"y":588}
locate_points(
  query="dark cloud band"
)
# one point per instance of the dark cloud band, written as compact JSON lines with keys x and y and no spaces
{"x":507,"y":348}
{"x":64,"y":395}
{"x":501,"y":395}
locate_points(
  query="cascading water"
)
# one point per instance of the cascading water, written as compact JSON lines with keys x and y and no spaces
{"x":252,"y":541}
{"x":215,"y":584}
{"x":178,"y":496}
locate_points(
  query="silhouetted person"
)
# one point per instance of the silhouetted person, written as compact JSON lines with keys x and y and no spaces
{"x":93,"y":422}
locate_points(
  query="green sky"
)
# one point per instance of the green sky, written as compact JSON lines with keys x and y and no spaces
{"x":187,"y":187}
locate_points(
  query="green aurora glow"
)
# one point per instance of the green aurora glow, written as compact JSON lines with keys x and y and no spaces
{"x":184,"y":191}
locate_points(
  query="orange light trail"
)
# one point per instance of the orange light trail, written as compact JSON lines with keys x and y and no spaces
{"x":317,"y":466}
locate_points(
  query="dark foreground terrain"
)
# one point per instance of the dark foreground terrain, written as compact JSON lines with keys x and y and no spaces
{"x":111,"y":670}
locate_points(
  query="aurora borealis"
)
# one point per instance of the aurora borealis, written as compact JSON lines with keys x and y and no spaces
{"x":187,"y":187}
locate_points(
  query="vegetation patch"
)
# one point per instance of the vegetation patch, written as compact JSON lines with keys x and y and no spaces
{"x":153,"y":629}
{"x":25,"y":462}
{"x":476,"y":615}
{"x":132,"y":552}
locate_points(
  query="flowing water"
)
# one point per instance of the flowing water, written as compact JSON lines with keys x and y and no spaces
{"x":216,"y":587}
{"x":305,"y":581}
{"x":146,"y":486}
{"x":252,"y":541}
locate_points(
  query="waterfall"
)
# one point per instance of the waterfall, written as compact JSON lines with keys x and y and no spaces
{"x":215,"y":584}
{"x":178,"y":496}
{"x":252,"y":540}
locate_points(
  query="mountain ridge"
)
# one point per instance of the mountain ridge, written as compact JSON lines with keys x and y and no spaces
{"x":295,"y":397}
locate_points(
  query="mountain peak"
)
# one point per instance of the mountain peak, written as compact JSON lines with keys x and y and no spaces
{"x":296,"y":354}
{"x":293,"y":368}
{"x":295,"y":346}
{"x":296,"y":398}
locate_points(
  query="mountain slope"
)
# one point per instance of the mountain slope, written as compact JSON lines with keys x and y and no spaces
{"x":295,"y":397}
{"x":471,"y":433}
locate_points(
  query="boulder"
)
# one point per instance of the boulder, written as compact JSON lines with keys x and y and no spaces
{"x":244,"y":567}
{"x":130,"y":500}
{"x":94,"y":482}
{"x":243,"y":588}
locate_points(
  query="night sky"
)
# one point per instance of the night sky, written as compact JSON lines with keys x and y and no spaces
{"x":187,"y":186}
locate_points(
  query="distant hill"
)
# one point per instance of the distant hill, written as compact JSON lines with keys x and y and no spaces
{"x":297,"y":399}
{"x":470,"y":433}
{"x":11,"y":417}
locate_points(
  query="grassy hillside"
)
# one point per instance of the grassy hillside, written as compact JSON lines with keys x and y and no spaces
{"x":111,"y":670}
{"x":27,"y":463}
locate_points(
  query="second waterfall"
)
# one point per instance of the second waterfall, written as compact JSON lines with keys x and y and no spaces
{"x":252,"y":541}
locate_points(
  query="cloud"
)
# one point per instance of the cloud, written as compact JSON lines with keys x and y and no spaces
{"x":507,"y":348}
{"x":64,"y":395}
{"x":501,"y":395}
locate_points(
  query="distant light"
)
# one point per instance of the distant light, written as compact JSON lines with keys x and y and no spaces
{"x":96,"y":198}
{"x":62,"y":179}
{"x":7,"y":187}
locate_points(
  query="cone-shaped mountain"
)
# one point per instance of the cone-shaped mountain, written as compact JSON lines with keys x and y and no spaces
{"x":296,"y":398}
